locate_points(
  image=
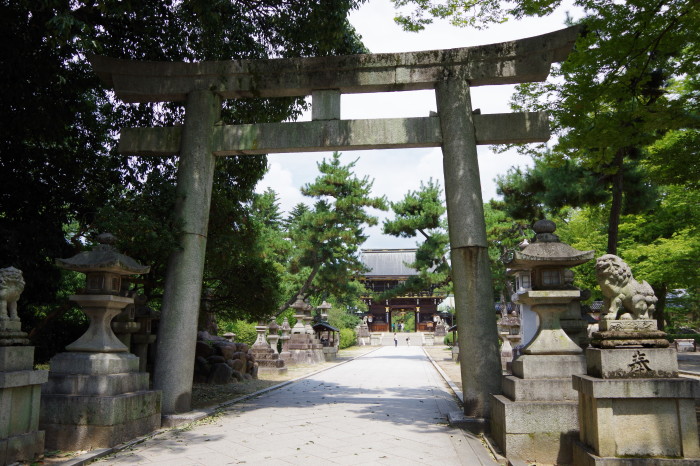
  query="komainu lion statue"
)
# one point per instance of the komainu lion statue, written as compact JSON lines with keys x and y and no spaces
{"x":624,"y":297}
{"x":11,"y":286}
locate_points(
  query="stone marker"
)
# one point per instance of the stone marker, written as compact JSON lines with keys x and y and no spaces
{"x":96,"y":396}
{"x":536,"y":418}
{"x":634,"y":409}
{"x":20,"y":385}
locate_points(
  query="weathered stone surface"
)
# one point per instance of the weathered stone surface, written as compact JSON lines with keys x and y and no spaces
{"x":505,"y":63}
{"x":94,"y":363}
{"x":311,"y":136}
{"x":98,"y":410}
{"x":227,"y":350}
{"x":22,"y":378}
{"x":109,"y":384}
{"x":623,"y":296}
{"x":21,"y":448}
{"x":220,"y":374}
{"x":518,"y":389}
{"x":19,"y":410}
{"x":235,"y":364}
{"x":631,"y":363}
{"x":535,"y":431}
{"x":629,"y":325}
{"x":637,"y":388}
{"x":237,"y":375}
{"x":183,"y":285}
{"x":216,"y":359}
{"x":584,"y":456}
{"x":636,"y":426}
{"x":203,"y":349}
{"x":549,"y":366}
{"x":16,"y":358}
{"x":86,"y":437}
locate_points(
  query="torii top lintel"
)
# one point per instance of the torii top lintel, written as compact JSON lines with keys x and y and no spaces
{"x":524,"y":60}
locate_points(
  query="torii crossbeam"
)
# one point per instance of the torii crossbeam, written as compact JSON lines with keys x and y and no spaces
{"x":451,"y":73}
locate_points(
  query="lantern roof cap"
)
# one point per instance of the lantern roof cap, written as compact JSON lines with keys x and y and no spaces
{"x":545,"y":249}
{"x":103,"y":258}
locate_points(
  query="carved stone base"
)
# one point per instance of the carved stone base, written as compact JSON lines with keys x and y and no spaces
{"x":638,"y":418}
{"x":629,"y":325}
{"x":622,"y":338}
{"x":631,"y":363}
{"x":11,"y":333}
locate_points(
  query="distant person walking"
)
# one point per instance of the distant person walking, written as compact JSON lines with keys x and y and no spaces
{"x":408,"y":342}
{"x":396,"y":341}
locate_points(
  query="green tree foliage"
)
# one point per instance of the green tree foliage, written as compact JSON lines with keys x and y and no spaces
{"x":421,"y":214}
{"x":630,"y":83}
{"x":326,"y":238}
{"x":57,"y":151}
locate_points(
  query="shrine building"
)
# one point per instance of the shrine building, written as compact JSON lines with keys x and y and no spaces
{"x":388,"y":269}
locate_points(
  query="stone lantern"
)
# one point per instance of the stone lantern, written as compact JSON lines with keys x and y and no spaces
{"x":544,"y":266}
{"x":537,"y":415}
{"x":308,"y":318}
{"x":273,"y":336}
{"x":323,"y":310}
{"x":104,"y":267}
{"x":299,"y":307}
{"x":96,"y":396}
{"x":286,"y":330}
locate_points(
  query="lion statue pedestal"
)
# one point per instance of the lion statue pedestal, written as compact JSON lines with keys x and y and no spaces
{"x":633,"y":407}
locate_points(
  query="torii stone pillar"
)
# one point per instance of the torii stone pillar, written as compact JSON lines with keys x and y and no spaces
{"x":456,"y":129}
{"x":177,"y":334}
{"x":471,"y":273}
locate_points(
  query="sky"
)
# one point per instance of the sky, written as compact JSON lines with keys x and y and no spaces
{"x":397,"y":171}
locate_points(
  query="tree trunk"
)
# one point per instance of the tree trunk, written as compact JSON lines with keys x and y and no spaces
{"x":616,"y":206}
{"x":302,"y":291}
{"x":660,"y":312}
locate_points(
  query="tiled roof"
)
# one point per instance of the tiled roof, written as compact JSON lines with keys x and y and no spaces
{"x":388,"y":262}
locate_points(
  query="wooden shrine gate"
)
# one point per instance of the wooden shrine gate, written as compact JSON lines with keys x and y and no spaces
{"x":202,"y":86}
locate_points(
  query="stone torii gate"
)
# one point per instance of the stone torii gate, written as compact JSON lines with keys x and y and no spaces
{"x":451,"y":73}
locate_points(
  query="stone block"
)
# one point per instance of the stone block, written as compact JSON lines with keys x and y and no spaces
{"x":19,"y":410}
{"x":21,"y":448}
{"x":94,"y":363}
{"x":98,"y":410}
{"x":684,"y":345}
{"x":638,"y":417}
{"x":584,"y":456}
{"x":540,"y":431}
{"x":107,"y":385}
{"x":549,"y":366}
{"x":538,"y":389}
{"x":86,"y":437}
{"x":16,"y":358}
{"x":22,"y":378}
{"x":636,"y":388}
{"x":631,"y":363}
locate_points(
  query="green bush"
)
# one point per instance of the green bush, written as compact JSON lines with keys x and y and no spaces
{"x":245,"y":331}
{"x":347,"y":338}
{"x":449,"y":339}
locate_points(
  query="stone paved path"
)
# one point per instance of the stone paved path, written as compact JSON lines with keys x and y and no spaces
{"x":387,"y":407}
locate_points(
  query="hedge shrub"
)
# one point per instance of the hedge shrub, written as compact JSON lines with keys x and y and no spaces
{"x":347,"y":338}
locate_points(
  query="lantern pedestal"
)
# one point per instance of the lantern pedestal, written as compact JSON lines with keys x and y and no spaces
{"x":96,"y":396}
{"x":536,"y":418}
{"x":97,"y":400}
